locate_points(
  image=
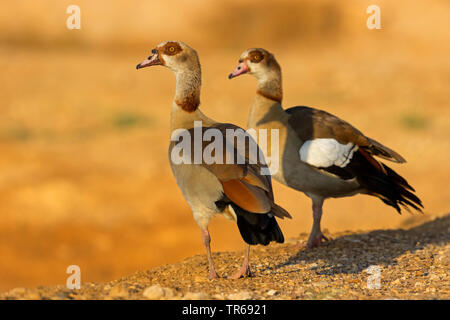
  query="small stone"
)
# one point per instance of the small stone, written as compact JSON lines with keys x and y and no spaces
{"x":272,"y":292}
{"x":63,"y":294}
{"x":32,"y":296}
{"x":118,"y":292}
{"x":243,"y":295}
{"x":195,"y":296}
{"x":324,"y":283}
{"x":156,"y":292}
{"x":435,"y":277}
{"x":18,"y":291}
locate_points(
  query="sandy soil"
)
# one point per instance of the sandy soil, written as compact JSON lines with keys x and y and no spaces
{"x":412,"y":264}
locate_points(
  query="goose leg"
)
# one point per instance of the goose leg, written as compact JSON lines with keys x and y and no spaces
{"x":245,"y":269}
{"x":316,"y":236}
{"x":206,"y":242}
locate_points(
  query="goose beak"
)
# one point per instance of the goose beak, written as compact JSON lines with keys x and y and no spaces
{"x":152,"y":60}
{"x":240,"y":69}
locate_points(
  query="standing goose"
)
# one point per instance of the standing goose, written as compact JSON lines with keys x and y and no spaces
{"x":320,"y":154}
{"x":238,"y":191}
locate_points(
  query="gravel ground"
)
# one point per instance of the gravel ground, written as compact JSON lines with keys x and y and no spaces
{"x":412,"y":264}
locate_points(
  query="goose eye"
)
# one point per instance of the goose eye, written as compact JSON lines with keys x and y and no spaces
{"x":172,"y":49}
{"x":256,"y":56}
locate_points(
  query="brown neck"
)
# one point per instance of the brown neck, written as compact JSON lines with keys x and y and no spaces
{"x":189,"y":102}
{"x":275,"y":96}
{"x":185,"y":107}
{"x":270,"y":86}
{"x":267,"y":102}
{"x":187,"y":95}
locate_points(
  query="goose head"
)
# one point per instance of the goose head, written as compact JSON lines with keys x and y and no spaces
{"x":257,"y":62}
{"x":175,"y":55}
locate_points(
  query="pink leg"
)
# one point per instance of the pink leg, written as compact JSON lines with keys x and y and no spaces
{"x":245,"y":269}
{"x":206,"y":242}
{"x":316,"y":237}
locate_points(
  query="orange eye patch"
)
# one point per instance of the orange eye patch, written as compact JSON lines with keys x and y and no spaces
{"x":172,"y":48}
{"x":255,"y":56}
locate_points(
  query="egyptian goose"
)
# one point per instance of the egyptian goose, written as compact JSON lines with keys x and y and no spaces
{"x":320,"y":154}
{"x":238,"y":191}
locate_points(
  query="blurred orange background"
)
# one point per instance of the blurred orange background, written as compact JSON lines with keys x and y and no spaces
{"x":84,"y":174}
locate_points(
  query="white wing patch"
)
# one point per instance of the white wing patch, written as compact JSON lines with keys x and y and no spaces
{"x":327,"y":152}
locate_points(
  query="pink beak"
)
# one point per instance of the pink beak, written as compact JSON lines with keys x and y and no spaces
{"x":153,"y":60}
{"x":240,"y":69}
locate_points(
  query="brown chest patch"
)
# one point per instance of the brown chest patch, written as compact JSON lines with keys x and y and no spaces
{"x":190,"y":102}
{"x":274,"y":96}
